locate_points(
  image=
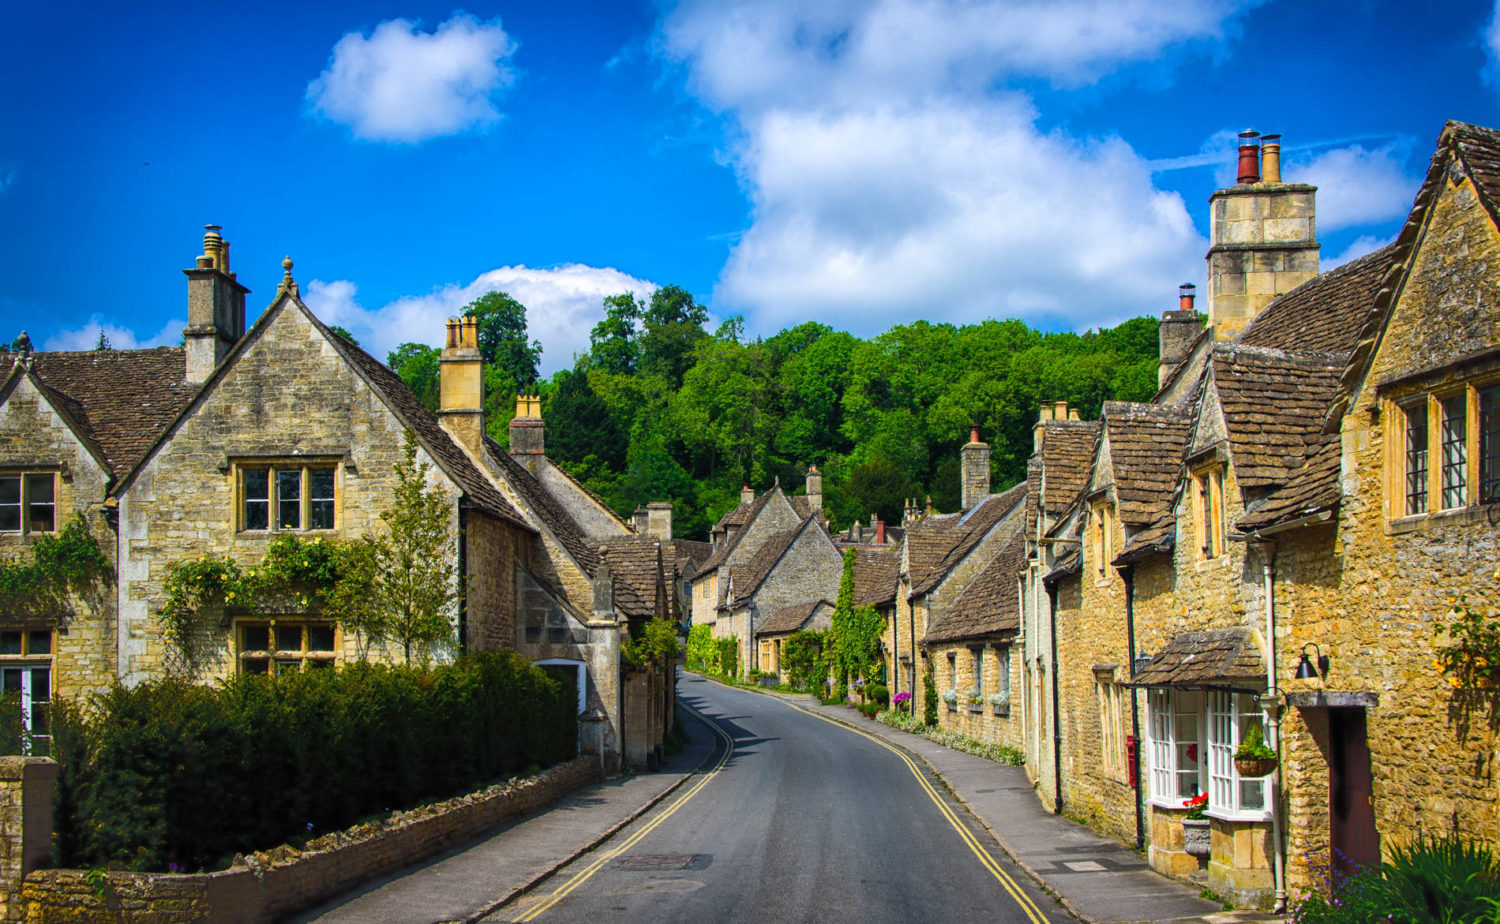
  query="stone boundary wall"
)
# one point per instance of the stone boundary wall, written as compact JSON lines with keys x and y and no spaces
{"x":270,"y":885}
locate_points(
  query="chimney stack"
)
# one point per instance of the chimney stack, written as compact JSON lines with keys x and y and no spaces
{"x":461,"y":384}
{"x":880,"y":532}
{"x":1038,"y":433}
{"x":640,"y":521}
{"x":1176,"y":333}
{"x":659,"y":521}
{"x":814,"y":489}
{"x":1263,"y":238}
{"x":216,"y":308}
{"x":1270,"y":159}
{"x":747,"y":494}
{"x":976,"y":470}
{"x":528,"y":434}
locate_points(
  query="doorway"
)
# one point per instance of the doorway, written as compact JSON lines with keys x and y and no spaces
{"x":1352,"y":836}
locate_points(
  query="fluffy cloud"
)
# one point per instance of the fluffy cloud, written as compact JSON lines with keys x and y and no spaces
{"x":562,"y":306}
{"x":893,"y":173}
{"x":86,"y":337}
{"x":1356,"y":186}
{"x":400,"y":84}
{"x":1357,"y":248}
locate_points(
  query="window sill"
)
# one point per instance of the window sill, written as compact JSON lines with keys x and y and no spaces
{"x":1208,"y":564}
{"x":1242,"y":818}
{"x":1488,"y":514}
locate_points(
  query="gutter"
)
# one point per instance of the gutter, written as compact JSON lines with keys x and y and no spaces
{"x":1128,"y":574}
{"x":1057,"y":798}
{"x":463,"y":579}
{"x":1322,"y":516}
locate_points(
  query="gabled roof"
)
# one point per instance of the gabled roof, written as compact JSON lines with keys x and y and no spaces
{"x":961,"y":535}
{"x":739,"y":518}
{"x":990,"y":605}
{"x":1157,"y":538}
{"x":1274,"y":402}
{"x":1067,"y":451}
{"x":1312,"y":489}
{"x":635,"y":563}
{"x":875,"y":576}
{"x":749,"y":577}
{"x":1145,"y":449}
{"x":546,"y":508}
{"x":1325,"y":313}
{"x":119,"y":402}
{"x":789,"y":619}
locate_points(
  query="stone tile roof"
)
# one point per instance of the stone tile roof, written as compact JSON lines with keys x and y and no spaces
{"x":1215,"y":658}
{"x":990,"y":605}
{"x":546,"y":508}
{"x":1067,"y":453}
{"x":1145,"y":448}
{"x":1071,"y":562}
{"x":1324,"y":314}
{"x":1156,"y":539}
{"x":691,"y":551}
{"x":789,"y":619}
{"x":1274,"y":404}
{"x":875,"y":576}
{"x":635,"y":563}
{"x":1033,"y":493}
{"x":120,"y":402}
{"x":739,"y":518}
{"x":960,"y":537}
{"x":1312,"y":489}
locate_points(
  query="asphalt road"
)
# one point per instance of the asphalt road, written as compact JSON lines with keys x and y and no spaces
{"x":799,"y":819}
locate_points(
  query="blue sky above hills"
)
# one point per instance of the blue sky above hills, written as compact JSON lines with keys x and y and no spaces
{"x":860,"y":163}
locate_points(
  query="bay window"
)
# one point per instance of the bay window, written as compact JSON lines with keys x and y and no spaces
{"x":1193,"y":737}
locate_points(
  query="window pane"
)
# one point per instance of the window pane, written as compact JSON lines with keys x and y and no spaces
{"x":1489,"y":445}
{"x":10,"y":504}
{"x":320,"y":638}
{"x":1416,"y":459}
{"x":10,"y":679}
{"x":1455,"y":451}
{"x":41,"y":683}
{"x":255,"y":638}
{"x":288,"y":666}
{"x":320,"y":498}
{"x":288,"y":638}
{"x":10,"y":643}
{"x":289,"y":499}
{"x":39,"y":642}
{"x":256,"y":492}
{"x":39,"y":725}
{"x":255,"y":665}
{"x":319,"y":664}
{"x":39,"y":507}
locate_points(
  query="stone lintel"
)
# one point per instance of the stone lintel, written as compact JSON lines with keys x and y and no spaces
{"x":1333,"y":699}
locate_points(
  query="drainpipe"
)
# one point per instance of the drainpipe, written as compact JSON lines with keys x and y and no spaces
{"x":911,"y":627}
{"x":1057,"y":799}
{"x":463,"y":579}
{"x":1128,"y":574}
{"x":1272,"y":707}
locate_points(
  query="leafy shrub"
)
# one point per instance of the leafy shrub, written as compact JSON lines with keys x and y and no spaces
{"x":702,"y":652}
{"x":929,"y":699}
{"x":171,"y":772}
{"x":728,"y":655}
{"x":1438,"y":881}
{"x":870,"y":710}
{"x":999,"y":753}
{"x":878,"y":693}
{"x":801,"y":659}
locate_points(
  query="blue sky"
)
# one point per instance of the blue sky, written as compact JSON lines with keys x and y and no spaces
{"x":863,"y":163}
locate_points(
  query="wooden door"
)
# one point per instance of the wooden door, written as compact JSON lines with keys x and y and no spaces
{"x":1351,"y":794}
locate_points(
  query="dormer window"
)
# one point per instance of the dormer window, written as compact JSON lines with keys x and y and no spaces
{"x":1208,"y":511}
{"x":287,"y":496}
{"x":28,"y":502}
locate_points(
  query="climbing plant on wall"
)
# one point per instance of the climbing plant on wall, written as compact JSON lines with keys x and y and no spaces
{"x":60,"y":567}
{"x":854,"y":638}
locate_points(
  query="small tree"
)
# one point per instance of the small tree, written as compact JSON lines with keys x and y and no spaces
{"x":414,"y":568}
{"x":929,"y":698}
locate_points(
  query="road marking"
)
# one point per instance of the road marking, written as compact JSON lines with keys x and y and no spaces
{"x":583,"y":875}
{"x":990,"y":863}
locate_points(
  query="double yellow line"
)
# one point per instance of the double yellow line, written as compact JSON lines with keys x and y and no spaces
{"x":584,"y":875}
{"x":1033,"y":913}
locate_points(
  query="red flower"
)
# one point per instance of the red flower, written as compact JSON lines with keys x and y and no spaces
{"x":1200,"y":799}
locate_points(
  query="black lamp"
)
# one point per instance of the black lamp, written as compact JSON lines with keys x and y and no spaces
{"x":1141,"y":662}
{"x":1305,"y":669}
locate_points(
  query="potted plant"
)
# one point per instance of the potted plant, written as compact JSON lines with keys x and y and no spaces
{"x":1253,"y":758}
{"x":1196,"y":837}
{"x":1000,"y":703}
{"x":976,"y":701}
{"x":951,"y":698}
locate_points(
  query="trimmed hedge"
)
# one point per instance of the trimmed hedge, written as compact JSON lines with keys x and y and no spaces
{"x":174,"y":775}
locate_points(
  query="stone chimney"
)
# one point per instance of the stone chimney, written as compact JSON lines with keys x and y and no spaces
{"x":1039,"y":432}
{"x":659,"y":521}
{"x":1176,"y":333}
{"x":814,"y":489}
{"x":880,"y":532}
{"x":216,"y":307}
{"x":747,"y":494}
{"x":976,"y":470}
{"x":528,"y":435}
{"x":639,"y":521}
{"x":461,"y":382}
{"x":1263,"y":239}
{"x":910,"y":513}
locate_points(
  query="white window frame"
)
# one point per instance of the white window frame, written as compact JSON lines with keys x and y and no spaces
{"x":1229,"y":717}
{"x":36,"y":696}
{"x":1166,"y":710}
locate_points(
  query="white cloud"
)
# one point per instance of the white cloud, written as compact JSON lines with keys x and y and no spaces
{"x":400,"y":84}
{"x":1356,"y":185}
{"x":86,"y":337}
{"x":893,"y":175}
{"x":562,"y":305}
{"x":1360,"y":246}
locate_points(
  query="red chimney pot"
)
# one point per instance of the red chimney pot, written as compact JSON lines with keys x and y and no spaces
{"x":1185,"y":294}
{"x":1249,"y":157}
{"x":973,"y":434}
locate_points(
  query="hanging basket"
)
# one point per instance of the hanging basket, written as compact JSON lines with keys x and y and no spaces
{"x":1254,"y":767}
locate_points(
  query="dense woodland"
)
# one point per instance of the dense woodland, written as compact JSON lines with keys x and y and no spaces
{"x":660,"y":408}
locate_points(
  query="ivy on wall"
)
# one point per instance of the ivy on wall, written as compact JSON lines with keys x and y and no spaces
{"x":1470,"y":660}
{"x":61,"y":566}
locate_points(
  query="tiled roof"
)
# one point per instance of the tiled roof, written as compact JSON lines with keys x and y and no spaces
{"x":1216,"y":658}
{"x":962,"y":535}
{"x":415,"y":415}
{"x":546,"y":507}
{"x":1312,"y":489}
{"x":1145,"y":449}
{"x":1067,"y":451}
{"x":1033,"y":492}
{"x":1071,"y":562}
{"x":1274,"y":403}
{"x":875,"y":576}
{"x":739,"y":518}
{"x":991,"y":603}
{"x":120,"y":401}
{"x":1324,"y":314}
{"x":692,"y":551}
{"x":1156,"y":539}
{"x":749,"y":577}
{"x":789,"y":619}
{"x":635,"y":563}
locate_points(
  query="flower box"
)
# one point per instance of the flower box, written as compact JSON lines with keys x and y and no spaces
{"x":976,"y":708}
{"x":1197,"y":837}
{"x":1254,"y":767}
{"x":1001,"y":710}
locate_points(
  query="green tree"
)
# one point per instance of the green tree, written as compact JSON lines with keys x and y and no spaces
{"x":673,"y":324}
{"x":502,"y":337}
{"x":579,"y":424}
{"x":881,"y":488}
{"x":414,"y":577}
{"x":614,"y":342}
{"x":103,"y":342}
{"x":417,"y":364}
{"x":343,"y":332}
